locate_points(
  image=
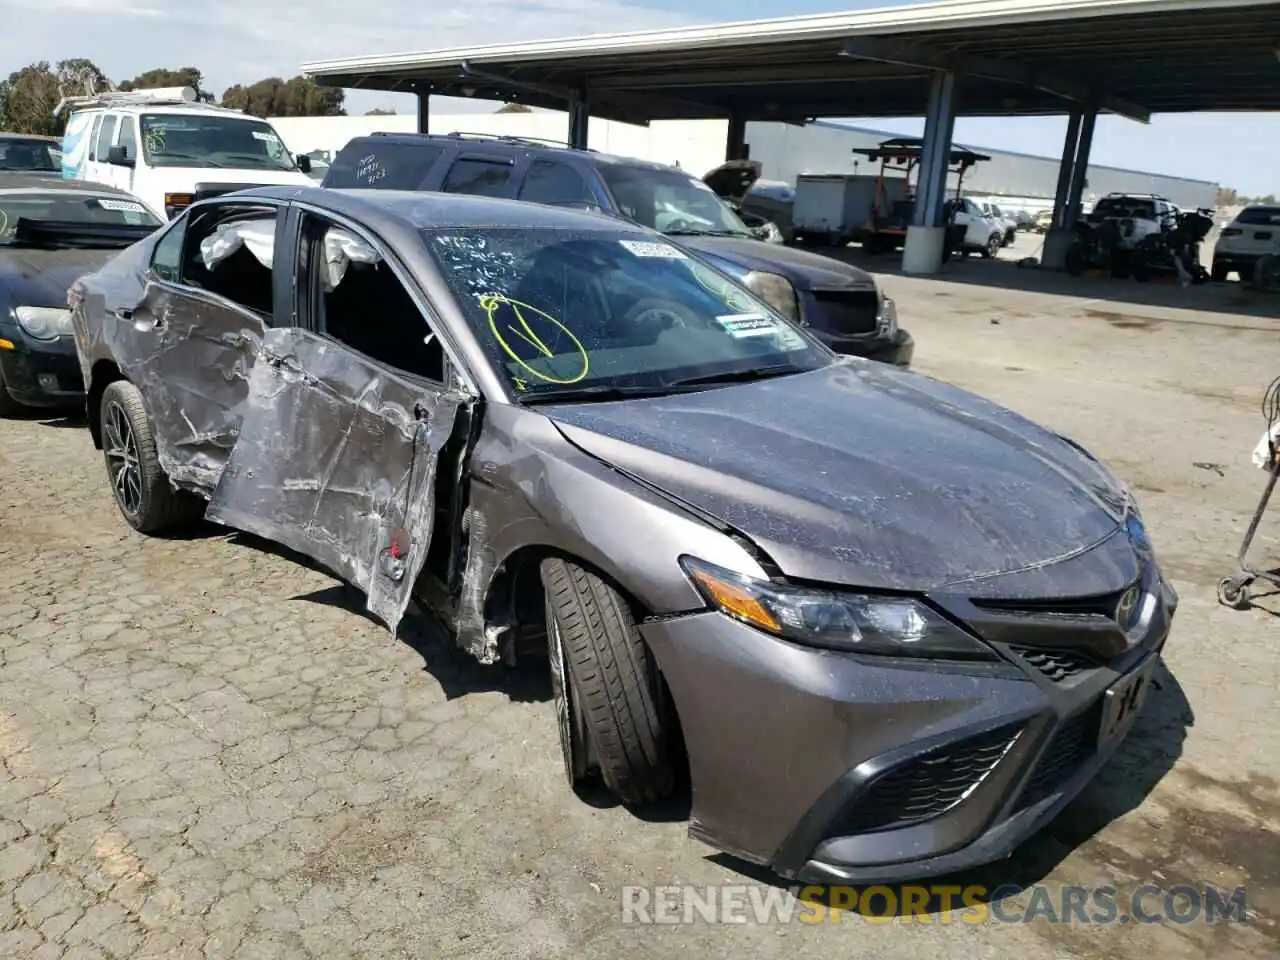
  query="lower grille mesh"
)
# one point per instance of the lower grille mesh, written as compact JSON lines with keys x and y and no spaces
{"x":1071,"y":745}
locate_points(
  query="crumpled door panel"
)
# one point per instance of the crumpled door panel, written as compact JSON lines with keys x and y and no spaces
{"x":337,"y":459}
{"x":191,"y":357}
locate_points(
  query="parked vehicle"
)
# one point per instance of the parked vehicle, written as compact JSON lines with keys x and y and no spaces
{"x":169,"y":150}
{"x":1252,"y":234}
{"x":840,"y":303}
{"x":981,"y":235}
{"x":993,"y":212}
{"x":831,"y":208}
{"x":1137,"y":216}
{"x":896,"y":626}
{"x":1026,"y":220}
{"x":1043,"y":222}
{"x":51,"y":232}
{"x":30,"y":154}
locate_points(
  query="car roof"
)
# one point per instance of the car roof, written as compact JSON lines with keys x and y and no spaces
{"x":516,"y":145}
{"x":421,"y":209}
{"x":19,"y":180}
{"x":38,"y":137}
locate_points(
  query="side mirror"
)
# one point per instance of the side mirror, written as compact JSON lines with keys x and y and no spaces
{"x":118,"y":156}
{"x":304,"y":162}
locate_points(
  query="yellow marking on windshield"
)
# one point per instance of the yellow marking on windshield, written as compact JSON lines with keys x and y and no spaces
{"x":490,"y":304}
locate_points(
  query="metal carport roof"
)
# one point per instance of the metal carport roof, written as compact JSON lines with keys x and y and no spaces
{"x":1015,"y":58}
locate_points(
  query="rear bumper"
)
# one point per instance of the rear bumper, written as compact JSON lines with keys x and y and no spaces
{"x":803,"y":760}
{"x":43,"y":375}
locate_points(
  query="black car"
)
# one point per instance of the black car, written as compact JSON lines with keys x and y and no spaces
{"x":51,"y":232}
{"x":839,"y":303}
{"x":30,"y":154}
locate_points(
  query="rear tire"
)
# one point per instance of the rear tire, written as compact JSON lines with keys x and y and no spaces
{"x":610,"y":695}
{"x":147,"y":500}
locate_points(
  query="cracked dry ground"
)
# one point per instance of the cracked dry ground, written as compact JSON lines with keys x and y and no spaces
{"x":207,"y":751}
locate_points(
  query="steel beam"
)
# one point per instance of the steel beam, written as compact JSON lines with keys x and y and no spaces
{"x":424,"y":110}
{"x":579,"y":117}
{"x":935,"y":151}
{"x":1066,"y":170}
{"x":735,"y":147}
{"x":1080,"y":177}
{"x":913,"y":55}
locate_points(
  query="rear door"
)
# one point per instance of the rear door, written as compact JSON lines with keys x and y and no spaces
{"x":483,"y":174}
{"x":345,"y":419}
{"x":104,"y":134}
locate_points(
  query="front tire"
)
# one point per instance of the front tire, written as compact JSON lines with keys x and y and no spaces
{"x":608,"y":697}
{"x":146,"y":498}
{"x":992,"y":248}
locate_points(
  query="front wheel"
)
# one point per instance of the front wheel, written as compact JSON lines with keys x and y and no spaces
{"x":143,"y":493}
{"x":992,"y":248}
{"x":609,"y":700}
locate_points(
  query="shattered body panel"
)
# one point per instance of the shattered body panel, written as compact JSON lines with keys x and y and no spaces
{"x":337,"y":459}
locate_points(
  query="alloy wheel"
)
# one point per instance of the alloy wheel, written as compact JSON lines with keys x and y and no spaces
{"x":120,"y":448}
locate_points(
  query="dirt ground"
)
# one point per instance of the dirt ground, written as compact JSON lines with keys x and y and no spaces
{"x":206,"y":750}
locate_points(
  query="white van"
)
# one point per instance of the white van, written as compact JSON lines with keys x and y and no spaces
{"x":168,"y":150}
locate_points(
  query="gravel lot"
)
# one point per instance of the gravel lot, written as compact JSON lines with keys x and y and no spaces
{"x":207,"y":751}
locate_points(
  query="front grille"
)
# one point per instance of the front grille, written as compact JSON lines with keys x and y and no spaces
{"x":926,"y":786}
{"x":1058,"y":665}
{"x":1072,"y":744}
{"x":848,"y":311}
{"x":1098,"y":605}
{"x":1262,"y":235}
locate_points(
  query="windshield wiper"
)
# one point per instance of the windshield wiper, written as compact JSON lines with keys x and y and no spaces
{"x":737,"y":376}
{"x":705,"y":233}
{"x":597,"y":394}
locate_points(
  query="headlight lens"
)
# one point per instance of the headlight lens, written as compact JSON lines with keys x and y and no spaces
{"x":888,"y":626}
{"x":774,"y":290}
{"x":44,"y":323}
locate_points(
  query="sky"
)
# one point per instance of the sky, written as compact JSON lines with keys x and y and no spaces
{"x":240,"y":41}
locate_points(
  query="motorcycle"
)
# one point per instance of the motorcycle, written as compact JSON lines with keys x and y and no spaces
{"x":1175,"y":251}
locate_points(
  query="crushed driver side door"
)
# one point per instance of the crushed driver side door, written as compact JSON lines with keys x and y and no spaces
{"x":337,"y":459}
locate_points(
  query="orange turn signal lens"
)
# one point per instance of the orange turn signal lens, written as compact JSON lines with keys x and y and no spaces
{"x":735,"y":600}
{"x":6,"y":345}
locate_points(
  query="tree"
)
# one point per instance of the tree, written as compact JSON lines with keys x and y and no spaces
{"x":30,"y":95}
{"x":273,"y":97}
{"x":514,"y":108}
{"x":162,"y":77}
{"x":379,"y":112}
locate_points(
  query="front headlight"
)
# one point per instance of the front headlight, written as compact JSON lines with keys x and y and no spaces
{"x":774,"y":290}
{"x":856,"y":623}
{"x":44,"y":323}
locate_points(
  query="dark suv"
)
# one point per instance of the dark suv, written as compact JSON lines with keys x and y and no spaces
{"x":840,"y":303}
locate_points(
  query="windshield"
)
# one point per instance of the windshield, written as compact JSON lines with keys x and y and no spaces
{"x":563,"y":313}
{"x":29,"y":154}
{"x":1124,"y":207}
{"x":1260,"y":216}
{"x":670,"y":201}
{"x":210,"y":140}
{"x":71,"y":207}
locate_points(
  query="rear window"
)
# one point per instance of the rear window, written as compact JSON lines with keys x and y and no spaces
{"x":29,"y":154}
{"x":1125,"y":207}
{"x":382,"y":166}
{"x":1260,"y":216}
{"x":70,"y":206}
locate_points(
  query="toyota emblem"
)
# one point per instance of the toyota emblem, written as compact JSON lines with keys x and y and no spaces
{"x":1127,"y":605}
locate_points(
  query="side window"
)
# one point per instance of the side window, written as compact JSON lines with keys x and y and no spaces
{"x":93,"y":136}
{"x":486,"y":178}
{"x":105,"y":135}
{"x":128,"y":137}
{"x":229,"y":251}
{"x":166,"y":255}
{"x":355,"y":297}
{"x":387,"y":165}
{"x":557,"y":184}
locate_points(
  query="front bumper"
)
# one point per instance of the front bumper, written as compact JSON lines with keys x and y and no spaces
{"x":39,"y":373}
{"x":824,"y":767}
{"x":897,"y":349}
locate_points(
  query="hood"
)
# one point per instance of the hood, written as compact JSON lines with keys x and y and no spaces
{"x":40,"y":278}
{"x":805,"y":270}
{"x":873,"y":478}
{"x":734,"y":179}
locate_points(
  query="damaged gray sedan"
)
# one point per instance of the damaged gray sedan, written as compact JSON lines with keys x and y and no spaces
{"x":887,"y":627}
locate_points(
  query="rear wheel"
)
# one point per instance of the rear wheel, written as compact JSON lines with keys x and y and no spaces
{"x":143,"y":493}
{"x":609,"y":702}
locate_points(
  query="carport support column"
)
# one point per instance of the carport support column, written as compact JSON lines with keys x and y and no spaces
{"x":578,"y":117}
{"x":424,"y":110}
{"x":1072,"y":177}
{"x":927,"y":235}
{"x":735,"y":147}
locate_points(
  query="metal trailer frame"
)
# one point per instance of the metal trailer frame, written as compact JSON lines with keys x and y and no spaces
{"x":1233,"y":591}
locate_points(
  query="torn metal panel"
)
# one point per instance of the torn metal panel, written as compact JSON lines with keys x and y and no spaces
{"x":479,"y":638}
{"x":337,"y":459}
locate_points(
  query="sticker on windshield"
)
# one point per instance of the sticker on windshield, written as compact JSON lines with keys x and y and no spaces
{"x":748,"y":325}
{"x":269,"y":137}
{"x":122,"y":206}
{"x":647,"y":248}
